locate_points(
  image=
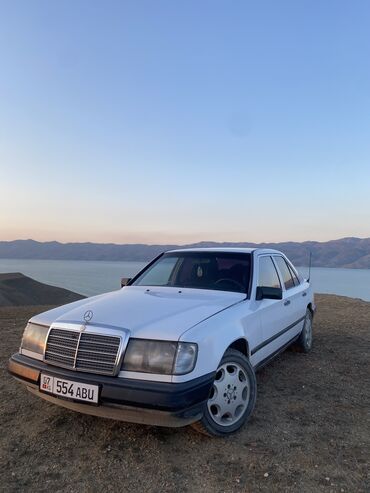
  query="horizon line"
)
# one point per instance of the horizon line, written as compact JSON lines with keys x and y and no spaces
{"x":183,"y":244}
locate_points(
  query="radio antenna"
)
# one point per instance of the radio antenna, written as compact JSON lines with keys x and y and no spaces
{"x":309,"y":267}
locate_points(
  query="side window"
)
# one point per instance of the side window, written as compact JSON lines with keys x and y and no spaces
{"x":267,"y":275}
{"x":285,"y":272}
{"x":294,"y":275}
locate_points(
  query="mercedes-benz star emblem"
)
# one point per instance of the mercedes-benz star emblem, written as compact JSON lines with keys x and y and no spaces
{"x":88,"y":315}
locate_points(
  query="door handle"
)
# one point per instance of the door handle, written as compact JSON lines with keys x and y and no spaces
{"x":287,"y":302}
{"x":304,"y":294}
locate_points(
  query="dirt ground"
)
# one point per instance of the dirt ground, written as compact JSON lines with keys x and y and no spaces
{"x":310,"y":431}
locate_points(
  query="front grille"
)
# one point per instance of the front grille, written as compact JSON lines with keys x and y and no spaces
{"x":95,"y":353}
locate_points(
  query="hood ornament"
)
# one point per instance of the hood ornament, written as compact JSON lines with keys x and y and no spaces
{"x":88,"y":315}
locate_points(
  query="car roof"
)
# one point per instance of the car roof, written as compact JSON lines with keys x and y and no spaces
{"x":225,"y":250}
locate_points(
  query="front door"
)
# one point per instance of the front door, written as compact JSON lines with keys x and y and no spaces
{"x":274,"y":316}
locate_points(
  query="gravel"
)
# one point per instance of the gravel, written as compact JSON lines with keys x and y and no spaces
{"x":310,"y":431}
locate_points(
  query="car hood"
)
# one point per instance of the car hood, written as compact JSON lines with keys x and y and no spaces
{"x":153,"y":313}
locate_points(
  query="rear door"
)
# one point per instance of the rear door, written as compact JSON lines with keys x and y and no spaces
{"x":293,"y":302}
{"x":301,"y":293}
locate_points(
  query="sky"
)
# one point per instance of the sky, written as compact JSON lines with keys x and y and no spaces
{"x":180,"y":121}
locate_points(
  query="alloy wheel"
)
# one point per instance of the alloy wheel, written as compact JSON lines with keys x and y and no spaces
{"x":230,"y":394}
{"x":308,"y":331}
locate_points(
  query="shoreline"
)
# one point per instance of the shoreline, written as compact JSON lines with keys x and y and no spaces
{"x":89,"y":278}
{"x":115,"y":261}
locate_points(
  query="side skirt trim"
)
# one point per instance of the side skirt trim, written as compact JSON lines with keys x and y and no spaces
{"x":275,"y":336}
{"x":274,"y":354}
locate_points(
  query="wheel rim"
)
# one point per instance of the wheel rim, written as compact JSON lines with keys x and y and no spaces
{"x":229,"y":395}
{"x":308,"y":331}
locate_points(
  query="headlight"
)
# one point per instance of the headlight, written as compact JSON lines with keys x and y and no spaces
{"x":186,"y":357}
{"x":34,"y":338}
{"x":167,"y":358}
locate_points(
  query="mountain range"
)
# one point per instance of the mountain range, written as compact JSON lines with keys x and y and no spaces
{"x":346,"y":252}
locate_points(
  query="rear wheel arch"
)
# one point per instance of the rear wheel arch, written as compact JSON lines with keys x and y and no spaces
{"x":304,"y":342}
{"x":309,"y":307}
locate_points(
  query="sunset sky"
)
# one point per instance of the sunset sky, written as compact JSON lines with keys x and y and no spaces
{"x":167,"y":121}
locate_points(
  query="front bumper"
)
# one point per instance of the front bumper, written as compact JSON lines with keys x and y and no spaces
{"x":136,"y":401}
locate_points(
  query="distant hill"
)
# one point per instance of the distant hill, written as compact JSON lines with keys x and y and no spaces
{"x":347,"y":252}
{"x":19,"y":290}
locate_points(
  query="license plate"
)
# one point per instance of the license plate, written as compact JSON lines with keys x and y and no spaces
{"x":67,"y":388}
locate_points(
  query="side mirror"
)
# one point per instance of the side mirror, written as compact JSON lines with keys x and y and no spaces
{"x":264,"y":292}
{"x":125,"y":281}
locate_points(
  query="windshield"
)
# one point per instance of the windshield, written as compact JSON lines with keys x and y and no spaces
{"x":211,"y":270}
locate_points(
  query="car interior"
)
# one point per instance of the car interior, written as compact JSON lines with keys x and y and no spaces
{"x":223,"y":273}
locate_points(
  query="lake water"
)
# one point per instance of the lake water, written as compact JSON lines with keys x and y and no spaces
{"x":94,"y":277}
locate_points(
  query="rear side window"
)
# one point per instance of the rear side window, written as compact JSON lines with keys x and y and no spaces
{"x":285,"y":272}
{"x":267,"y":276}
{"x":294,"y":275}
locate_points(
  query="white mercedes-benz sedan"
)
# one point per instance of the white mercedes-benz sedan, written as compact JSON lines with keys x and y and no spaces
{"x":179,"y":344}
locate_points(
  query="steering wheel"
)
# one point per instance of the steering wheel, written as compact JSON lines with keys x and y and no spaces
{"x":231,"y":281}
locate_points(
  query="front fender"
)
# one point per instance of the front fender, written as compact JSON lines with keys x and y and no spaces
{"x":217,"y":333}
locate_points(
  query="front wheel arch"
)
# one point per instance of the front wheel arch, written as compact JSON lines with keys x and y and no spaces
{"x":207,"y":424}
{"x":240,"y":345}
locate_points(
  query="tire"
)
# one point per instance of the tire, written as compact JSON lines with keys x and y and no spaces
{"x":232,"y":398}
{"x":304,"y":342}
